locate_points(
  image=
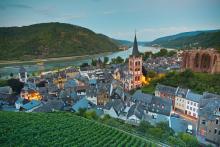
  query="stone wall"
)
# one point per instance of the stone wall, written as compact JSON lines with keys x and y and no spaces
{"x":201,"y":60}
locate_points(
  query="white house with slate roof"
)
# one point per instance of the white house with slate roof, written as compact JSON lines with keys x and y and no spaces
{"x":192,"y":104}
{"x":180,"y":99}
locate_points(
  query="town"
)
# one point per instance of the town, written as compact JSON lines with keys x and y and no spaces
{"x":115,"y":89}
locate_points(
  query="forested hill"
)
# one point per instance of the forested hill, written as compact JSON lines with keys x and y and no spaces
{"x":51,"y":40}
{"x":190,"y":39}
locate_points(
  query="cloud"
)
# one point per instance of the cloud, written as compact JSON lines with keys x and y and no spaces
{"x":22,"y":6}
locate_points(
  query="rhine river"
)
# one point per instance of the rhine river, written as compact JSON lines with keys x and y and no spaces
{"x":50,"y":65}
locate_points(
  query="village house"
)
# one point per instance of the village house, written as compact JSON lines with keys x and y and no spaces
{"x":192,"y":104}
{"x":180,"y":100}
{"x":114,"y":108}
{"x":164,"y":91}
{"x":209,"y":118}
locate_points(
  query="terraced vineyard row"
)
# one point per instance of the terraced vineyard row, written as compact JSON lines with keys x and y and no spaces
{"x":60,"y":129}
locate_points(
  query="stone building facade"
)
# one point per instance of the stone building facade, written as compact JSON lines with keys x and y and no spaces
{"x":206,"y":60}
{"x":135,"y":62}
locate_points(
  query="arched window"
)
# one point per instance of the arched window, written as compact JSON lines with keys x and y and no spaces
{"x":196,"y":60}
{"x":215,"y":59}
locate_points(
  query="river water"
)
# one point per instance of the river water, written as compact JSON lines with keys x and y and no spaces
{"x":50,"y":65}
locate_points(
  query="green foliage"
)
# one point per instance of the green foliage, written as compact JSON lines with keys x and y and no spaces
{"x":198,"y":82}
{"x":106,"y":59}
{"x":174,"y":141}
{"x":94,"y":62}
{"x":205,"y":39}
{"x":84,"y":65}
{"x":164,"y":53}
{"x":51,"y":40}
{"x":117,"y":60}
{"x":189,"y":140}
{"x":3,"y":83}
{"x":151,"y":74}
{"x":60,"y":129}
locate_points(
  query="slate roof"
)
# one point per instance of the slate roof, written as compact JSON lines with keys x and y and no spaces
{"x":117,"y":104}
{"x":91,"y":91}
{"x":181,"y":92}
{"x":160,"y":105}
{"x":70,"y":84}
{"x":31,"y":104}
{"x":207,"y":110}
{"x":5,"y":90}
{"x":50,"y":106}
{"x":135,"y":51}
{"x":166,"y":89}
{"x":22,"y":70}
{"x":193,"y":96}
{"x":142,"y":97}
{"x":82,"y":103}
{"x":137,"y":110}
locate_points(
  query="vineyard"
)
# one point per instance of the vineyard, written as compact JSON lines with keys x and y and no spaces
{"x":60,"y":129}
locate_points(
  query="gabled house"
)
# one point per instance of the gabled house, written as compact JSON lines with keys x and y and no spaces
{"x":143,"y":98}
{"x":192,"y":104}
{"x":164,"y":91}
{"x":208,"y":126}
{"x":136,"y":113}
{"x":180,"y":100}
{"x":114,"y":108}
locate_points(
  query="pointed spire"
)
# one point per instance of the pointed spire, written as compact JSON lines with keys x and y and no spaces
{"x":135,"y":51}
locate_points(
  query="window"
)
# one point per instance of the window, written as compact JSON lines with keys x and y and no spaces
{"x":215,"y":131}
{"x":194,"y":104}
{"x":187,"y":107}
{"x":188,"y":102}
{"x":194,"y":109}
{"x":191,"y":103}
{"x":190,"y":108}
{"x":216,"y":122}
{"x":203,"y":122}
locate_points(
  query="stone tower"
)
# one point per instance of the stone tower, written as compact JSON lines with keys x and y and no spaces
{"x":135,"y":67}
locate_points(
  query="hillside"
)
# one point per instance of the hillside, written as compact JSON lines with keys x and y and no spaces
{"x":59,"y":129}
{"x":190,"y":39}
{"x":197,"y":82}
{"x":51,"y":40}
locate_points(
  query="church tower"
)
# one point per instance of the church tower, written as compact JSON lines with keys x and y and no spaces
{"x":135,"y":67}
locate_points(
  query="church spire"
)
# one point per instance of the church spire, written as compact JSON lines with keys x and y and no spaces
{"x":135,"y":51}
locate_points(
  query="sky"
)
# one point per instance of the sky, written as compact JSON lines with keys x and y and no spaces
{"x":117,"y":18}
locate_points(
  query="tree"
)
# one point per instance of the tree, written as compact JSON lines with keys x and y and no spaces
{"x":84,"y":65}
{"x":16,"y":85}
{"x":171,"y":53}
{"x":189,"y":140}
{"x":144,"y":126}
{"x":11,"y":74}
{"x":94,"y":62}
{"x":81,"y":112}
{"x":91,"y":115}
{"x":151,"y":74}
{"x":106,"y":59}
{"x":174,"y":141}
